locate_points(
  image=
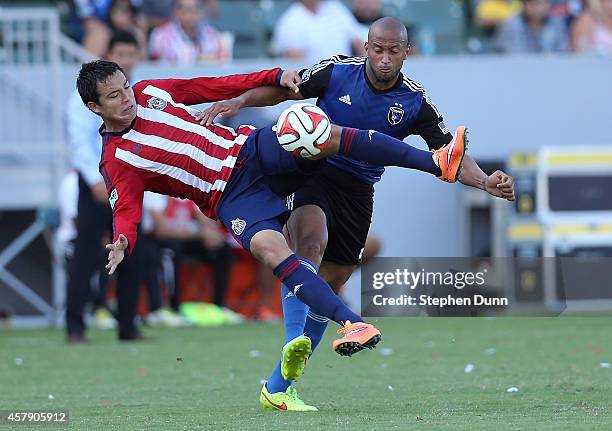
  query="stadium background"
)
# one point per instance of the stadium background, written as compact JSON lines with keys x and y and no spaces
{"x":538,"y":116}
{"x":512,"y":104}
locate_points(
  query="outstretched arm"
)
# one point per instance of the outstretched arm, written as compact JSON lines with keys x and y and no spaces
{"x":261,"y":96}
{"x":498,"y":184}
{"x":116,"y":253}
{"x":125,"y":190}
{"x":431,"y":127}
{"x":312,"y":82}
{"x":380,"y":149}
{"x":211,"y":89}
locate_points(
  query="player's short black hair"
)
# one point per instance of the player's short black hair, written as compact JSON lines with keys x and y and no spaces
{"x":122,"y":36}
{"x":90,"y":74}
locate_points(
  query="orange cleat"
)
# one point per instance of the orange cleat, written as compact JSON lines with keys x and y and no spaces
{"x":450,"y":157}
{"x":357,"y":336}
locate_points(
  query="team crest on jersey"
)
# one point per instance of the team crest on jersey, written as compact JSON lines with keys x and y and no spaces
{"x":157,"y":103}
{"x":114,"y":196}
{"x":238,"y":226}
{"x":395,"y":114}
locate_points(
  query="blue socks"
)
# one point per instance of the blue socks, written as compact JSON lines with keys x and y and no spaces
{"x":315,"y":328}
{"x":276,"y":383}
{"x":295,"y":314}
{"x":380,"y":149}
{"x":313,"y":291}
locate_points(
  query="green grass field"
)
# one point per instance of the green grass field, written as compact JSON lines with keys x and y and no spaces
{"x":215,"y":382}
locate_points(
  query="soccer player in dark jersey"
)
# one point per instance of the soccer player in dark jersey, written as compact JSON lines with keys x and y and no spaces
{"x":151,"y":141}
{"x":332,"y":212}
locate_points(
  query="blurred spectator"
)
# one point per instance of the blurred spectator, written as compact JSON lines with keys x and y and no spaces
{"x":98,"y":19}
{"x":312,"y":29}
{"x":66,"y":235}
{"x":178,"y":225}
{"x":155,"y":224}
{"x":158,"y":12}
{"x":123,"y":15}
{"x":568,"y":11}
{"x":94,"y":212}
{"x":592,"y":31}
{"x":186,"y":39}
{"x":66,"y":231}
{"x":87,"y":21}
{"x":492,"y":13}
{"x":533,"y":31}
{"x":366,"y":12}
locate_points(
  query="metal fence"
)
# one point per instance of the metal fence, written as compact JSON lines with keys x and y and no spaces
{"x":32,"y":149}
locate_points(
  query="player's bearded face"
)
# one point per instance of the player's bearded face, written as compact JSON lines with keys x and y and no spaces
{"x":386,"y":57}
{"x":117,"y":105}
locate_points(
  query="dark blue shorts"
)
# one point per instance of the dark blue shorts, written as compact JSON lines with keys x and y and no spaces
{"x":264,"y":174}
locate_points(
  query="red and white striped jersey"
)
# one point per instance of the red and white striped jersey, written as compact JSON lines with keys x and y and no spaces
{"x":166,"y":151}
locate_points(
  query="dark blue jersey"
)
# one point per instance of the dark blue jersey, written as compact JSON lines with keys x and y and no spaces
{"x":346,"y":95}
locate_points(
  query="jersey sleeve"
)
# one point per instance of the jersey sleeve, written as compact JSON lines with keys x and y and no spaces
{"x":429,"y":124}
{"x":125,"y":190}
{"x":212,"y":89}
{"x":315,"y":80}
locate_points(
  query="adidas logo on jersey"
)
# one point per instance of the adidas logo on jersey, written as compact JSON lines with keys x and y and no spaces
{"x":345,"y":99}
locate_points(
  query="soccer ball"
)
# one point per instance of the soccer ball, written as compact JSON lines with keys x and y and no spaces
{"x":302,"y":128}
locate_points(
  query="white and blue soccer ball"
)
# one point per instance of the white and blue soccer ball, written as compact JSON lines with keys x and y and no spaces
{"x":302,"y":129}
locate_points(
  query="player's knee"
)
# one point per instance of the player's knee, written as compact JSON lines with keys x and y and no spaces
{"x":311,"y":247}
{"x":270,"y":248}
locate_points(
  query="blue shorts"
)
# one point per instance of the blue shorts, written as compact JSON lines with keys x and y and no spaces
{"x":264,"y":174}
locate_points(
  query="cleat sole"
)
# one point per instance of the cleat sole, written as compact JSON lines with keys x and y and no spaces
{"x":352,"y":347}
{"x":465,"y":148}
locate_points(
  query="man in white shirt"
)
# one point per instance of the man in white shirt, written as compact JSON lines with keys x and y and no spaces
{"x":313,"y":29}
{"x":94,"y":213}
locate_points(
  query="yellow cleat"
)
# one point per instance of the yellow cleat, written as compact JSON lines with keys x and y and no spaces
{"x":295,"y":355}
{"x":287,"y":401}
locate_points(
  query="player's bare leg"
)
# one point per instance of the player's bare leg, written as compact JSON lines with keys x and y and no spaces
{"x":336,"y":275}
{"x":307,"y":227}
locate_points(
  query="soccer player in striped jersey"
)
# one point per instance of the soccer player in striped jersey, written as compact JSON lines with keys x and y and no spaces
{"x":332,"y":211}
{"x":151,"y":141}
